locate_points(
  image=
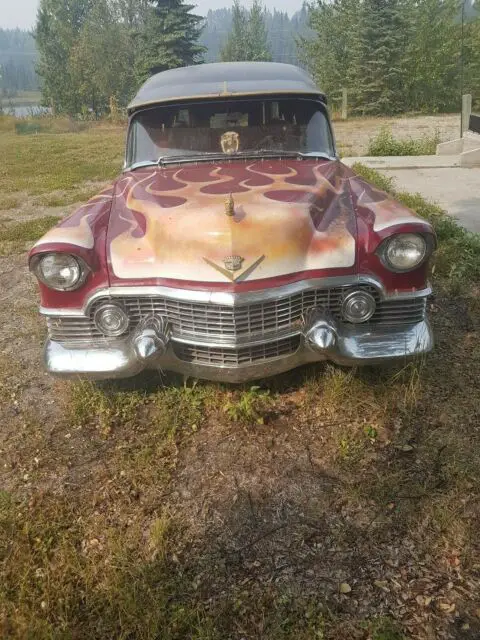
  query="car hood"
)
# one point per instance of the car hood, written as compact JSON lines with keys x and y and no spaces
{"x":231,"y":222}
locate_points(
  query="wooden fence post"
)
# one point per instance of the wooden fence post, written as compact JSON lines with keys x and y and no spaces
{"x":466,"y":112}
{"x":344,"y":112}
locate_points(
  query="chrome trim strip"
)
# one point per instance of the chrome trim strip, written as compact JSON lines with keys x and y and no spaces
{"x":264,"y":338}
{"x":231,"y":299}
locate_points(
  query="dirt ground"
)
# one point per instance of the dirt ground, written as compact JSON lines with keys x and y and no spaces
{"x":297,"y":505}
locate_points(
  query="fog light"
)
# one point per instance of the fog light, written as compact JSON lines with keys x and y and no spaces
{"x":111,"y":320}
{"x":358,"y":306}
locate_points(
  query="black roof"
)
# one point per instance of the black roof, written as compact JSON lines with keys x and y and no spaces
{"x":224,"y":79}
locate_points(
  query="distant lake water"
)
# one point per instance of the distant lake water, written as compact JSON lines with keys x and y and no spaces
{"x":24,"y":110}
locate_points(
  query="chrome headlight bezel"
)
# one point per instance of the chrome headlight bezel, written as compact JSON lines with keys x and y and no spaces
{"x":77,"y":263}
{"x":427,"y":246}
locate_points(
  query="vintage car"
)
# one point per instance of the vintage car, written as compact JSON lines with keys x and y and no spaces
{"x":235,"y":244}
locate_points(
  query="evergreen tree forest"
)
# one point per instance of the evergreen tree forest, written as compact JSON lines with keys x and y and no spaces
{"x":393,"y":56}
{"x":247,"y":39}
{"x":282,"y":32}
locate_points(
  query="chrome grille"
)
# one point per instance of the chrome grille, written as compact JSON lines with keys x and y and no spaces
{"x":213,"y":320}
{"x":66,"y":329}
{"x":228,"y":324}
{"x":223,"y":357}
{"x":409,"y":311}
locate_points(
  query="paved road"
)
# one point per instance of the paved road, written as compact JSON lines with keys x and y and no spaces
{"x":455,"y":189}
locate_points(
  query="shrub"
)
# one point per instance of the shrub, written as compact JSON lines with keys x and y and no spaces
{"x":384,"y":144}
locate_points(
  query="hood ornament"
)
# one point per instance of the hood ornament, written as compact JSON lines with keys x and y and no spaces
{"x":230,"y":206}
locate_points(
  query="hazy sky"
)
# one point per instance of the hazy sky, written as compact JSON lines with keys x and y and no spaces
{"x":22,"y":13}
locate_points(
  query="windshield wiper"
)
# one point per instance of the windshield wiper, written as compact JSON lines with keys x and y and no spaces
{"x":252,"y":153}
{"x":317,"y":154}
{"x":203,"y":157}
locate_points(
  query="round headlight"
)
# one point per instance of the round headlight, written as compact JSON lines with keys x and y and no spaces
{"x":405,"y":251}
{"x":60,"y":271}
{"x":111,"y":320}
{"x":358,"y":306}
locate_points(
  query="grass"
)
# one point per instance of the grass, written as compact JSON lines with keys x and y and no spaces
{"x":62,"y":198}
{"x":27,"y":230}
{"x":15,"y":235}
{"x":62,"y":161}
{"x":162,"y":508}
{"x":9,"y":202}
{"x":250,"y":405}
{"x":384,"y":144}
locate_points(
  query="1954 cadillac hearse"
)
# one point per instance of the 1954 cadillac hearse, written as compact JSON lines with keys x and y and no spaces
{"x":235,"y":244}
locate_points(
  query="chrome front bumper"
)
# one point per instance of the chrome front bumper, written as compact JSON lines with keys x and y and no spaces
{"x":235,"y":337}
{"x":342,"y":344}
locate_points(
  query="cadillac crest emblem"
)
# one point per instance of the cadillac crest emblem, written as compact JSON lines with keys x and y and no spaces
{"x":233,"y":263}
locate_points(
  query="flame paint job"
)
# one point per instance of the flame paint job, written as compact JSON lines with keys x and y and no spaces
{"x":309,"y":218}
{"x":297,"y":214}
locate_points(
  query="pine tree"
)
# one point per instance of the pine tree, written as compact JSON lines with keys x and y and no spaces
{"x":433,"y":57}
{"x":258,"y":47}
{"x":248,"y":38}
{"x":168,"y":38}
{"x":235,"y":46}
{"x":382,"y":70}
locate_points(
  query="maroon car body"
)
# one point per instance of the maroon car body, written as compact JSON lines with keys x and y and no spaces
{"x":229,"y":248}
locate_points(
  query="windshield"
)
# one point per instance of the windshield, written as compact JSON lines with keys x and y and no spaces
{"x":228,"y":127}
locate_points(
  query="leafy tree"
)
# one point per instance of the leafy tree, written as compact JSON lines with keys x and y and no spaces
{"x":332,"y":52}
{"x":58,"y":24}
{"x":101,"y":59}
{"x":168,"y":38}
